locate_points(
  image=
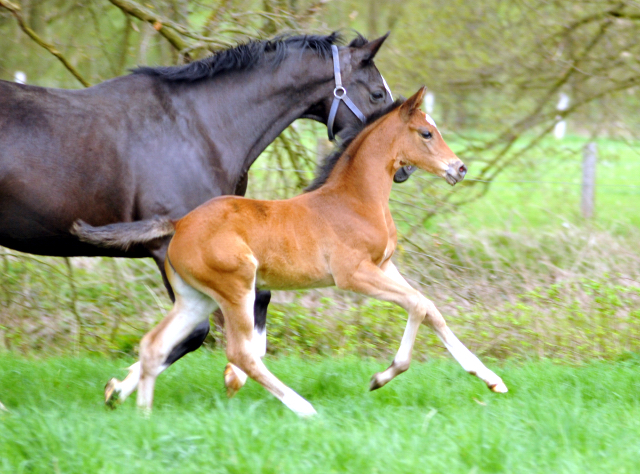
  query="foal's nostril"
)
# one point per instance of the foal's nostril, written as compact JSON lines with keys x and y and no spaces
{"x":462,"y":170}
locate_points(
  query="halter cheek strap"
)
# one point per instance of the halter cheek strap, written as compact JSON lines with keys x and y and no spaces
{"x":340,"y":94}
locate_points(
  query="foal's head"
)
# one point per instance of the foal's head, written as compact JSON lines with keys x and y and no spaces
{"x":423,"y":145}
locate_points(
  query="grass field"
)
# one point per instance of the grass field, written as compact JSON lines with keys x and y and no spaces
{"x":433,"y":419}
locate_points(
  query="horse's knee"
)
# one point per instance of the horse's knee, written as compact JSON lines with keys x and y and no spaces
{"x":147,"y":354}
{"x":151,"y":353}
{"x":419,"y":307}
{"x":401,"y":366}
{"x":240,"y":353}
{"x":235,"y":352}
{"x":432,"y":316}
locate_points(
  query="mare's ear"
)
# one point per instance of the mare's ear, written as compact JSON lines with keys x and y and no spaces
{"x":367,"y":52}
{"x":412,"y":104}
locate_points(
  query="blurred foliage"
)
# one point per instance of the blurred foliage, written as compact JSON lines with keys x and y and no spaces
{"x":523,"y":294}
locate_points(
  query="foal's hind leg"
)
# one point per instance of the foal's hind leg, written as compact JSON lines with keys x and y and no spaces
{"x":190,"y":309}
{"x":117,"y":391}
{"x":240,"y":352}
{"x":389,"y":285}
{"x":234,"y":378}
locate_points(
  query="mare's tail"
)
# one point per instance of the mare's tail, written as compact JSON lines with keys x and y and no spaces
{"x":125,"y":234}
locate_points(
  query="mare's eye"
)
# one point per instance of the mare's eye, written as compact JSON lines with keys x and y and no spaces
{"x":377,"y":96}
{"x":426,"y":134}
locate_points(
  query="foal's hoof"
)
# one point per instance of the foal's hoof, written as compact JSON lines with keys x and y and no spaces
{"x":111,"y":395}
{"x":232,"y":381}
{"x":499,"y":387}
{"x":375,"y":383}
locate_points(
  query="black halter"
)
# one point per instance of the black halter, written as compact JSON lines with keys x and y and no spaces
{"x":340,"y":94}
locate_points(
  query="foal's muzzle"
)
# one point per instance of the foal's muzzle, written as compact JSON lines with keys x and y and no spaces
{"x":455,"y":172}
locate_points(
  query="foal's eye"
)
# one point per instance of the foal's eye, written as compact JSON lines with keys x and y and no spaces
{"x":426,"y":134}
{"x":377,"y":96}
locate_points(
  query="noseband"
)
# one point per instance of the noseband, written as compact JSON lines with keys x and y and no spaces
{"x":340,"y":94}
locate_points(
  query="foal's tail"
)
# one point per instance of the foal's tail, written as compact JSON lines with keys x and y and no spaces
{"x":125,"y":234}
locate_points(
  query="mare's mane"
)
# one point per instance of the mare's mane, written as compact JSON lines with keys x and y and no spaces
{"x":247,"y":55}
{"x":347,"y":136}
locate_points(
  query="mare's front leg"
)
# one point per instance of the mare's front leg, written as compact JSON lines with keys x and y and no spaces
{"x":388,"y":285}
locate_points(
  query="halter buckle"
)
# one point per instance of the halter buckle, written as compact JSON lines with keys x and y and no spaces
{"x":339,"y":92}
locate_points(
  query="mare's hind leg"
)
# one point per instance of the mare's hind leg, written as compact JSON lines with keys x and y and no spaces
{"x":190,"y":309}
{"x":388,"y":285}
{"x":238,"y":319}
{"x":234,"y":378}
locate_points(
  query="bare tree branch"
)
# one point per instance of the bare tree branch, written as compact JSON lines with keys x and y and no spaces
{"x":16,"y":12}
{"x":171,"y":30}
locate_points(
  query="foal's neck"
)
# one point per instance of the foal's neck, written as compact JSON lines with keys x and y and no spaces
{"x":365,"y":171}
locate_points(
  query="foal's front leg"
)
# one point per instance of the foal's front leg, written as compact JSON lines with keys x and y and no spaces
{"x":388,"y":285}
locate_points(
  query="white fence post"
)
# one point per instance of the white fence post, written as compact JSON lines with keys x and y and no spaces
{"x":561,"y":126}
{"x":429,"y":102}
{"x":20,"y":77}
{"x":590,"y":158}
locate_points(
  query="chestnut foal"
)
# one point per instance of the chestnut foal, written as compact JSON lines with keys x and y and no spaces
{"x":339,"y":233}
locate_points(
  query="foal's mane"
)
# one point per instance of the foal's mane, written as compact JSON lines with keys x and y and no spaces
{"x":247,"y":55}
{"x":347,"y":136}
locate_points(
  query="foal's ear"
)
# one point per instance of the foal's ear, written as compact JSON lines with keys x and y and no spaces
{"x":412,"y":104}
{"x":367,"y":52}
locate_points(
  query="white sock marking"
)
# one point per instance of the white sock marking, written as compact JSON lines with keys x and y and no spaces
{"x":297,"y":404}
{"x":259,"y":341}
{"x":129,"y":384}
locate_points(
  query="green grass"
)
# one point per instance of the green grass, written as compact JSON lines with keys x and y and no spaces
{"x":435,"y":418}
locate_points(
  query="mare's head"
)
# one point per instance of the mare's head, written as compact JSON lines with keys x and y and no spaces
{"x":363,"y":83}
{"x":422,"y":145}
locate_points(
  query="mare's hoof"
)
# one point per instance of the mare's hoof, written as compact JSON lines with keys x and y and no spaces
{"x":499,"y":387}
{"x":111,"y":395}
{"x":231,"y":381}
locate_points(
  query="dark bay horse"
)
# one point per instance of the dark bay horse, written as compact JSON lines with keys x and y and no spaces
{"x":338,"y":233}
{"x":162,"y":141}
